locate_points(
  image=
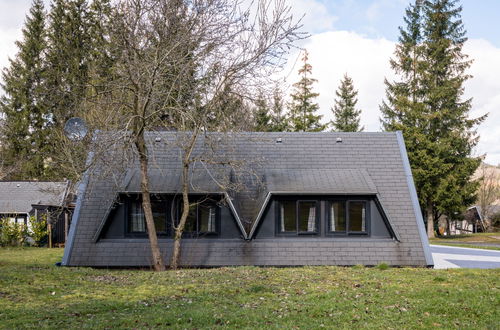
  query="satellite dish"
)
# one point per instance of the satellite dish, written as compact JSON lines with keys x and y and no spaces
{"x":75,"y":129}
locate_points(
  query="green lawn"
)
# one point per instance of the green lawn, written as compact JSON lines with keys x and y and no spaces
{"x":469,"y":240}
{"x":473,"y":238}
{"x":35,"y":293}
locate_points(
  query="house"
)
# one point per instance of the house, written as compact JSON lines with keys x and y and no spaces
{"x":22,"y":199}
{"x":473,"y":221}
{"x":311,"y":199}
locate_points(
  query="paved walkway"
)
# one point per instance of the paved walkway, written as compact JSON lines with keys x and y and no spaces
{"x":458,"y":257}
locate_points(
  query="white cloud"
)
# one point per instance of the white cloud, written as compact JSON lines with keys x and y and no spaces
{"x":484,"y":88}
{"x":12,"y":17}
{"x":367,"y":61}
{"x":316,"y":16}
{"x":8,"y":48}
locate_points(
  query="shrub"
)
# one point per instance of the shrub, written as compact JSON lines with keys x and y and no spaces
{"x":38,"y":229}
{"x":12,"y":234}
{"x":383,"y":266}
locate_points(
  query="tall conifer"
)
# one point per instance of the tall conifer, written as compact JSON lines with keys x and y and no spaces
{"x":303,"y":108}
{"x":346,"y":116}
{"x":25,"y":122}
{"x":68,"y":58}
{"x":262,"y":115}
{"x":427,"y":106}
{"x":279,"y":119}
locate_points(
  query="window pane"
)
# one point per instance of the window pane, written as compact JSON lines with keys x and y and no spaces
{"x":337,"y":214}
{"x":307,"y":216}
{"x":190,"y":225}
{"x":357,"y":216}
{"x":287,"y":216}
{"x":159,"y":215}
{"x":136,"y":218}
{"x":207,"y":219}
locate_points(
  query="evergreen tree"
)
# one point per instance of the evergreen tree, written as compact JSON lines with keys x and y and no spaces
{"x":68,"y":58}
{"x":427,"y":106}
{"x":25,"y":122}
{"x":79,"y":61}
{"x":102,"y":57}
{"x":279,"y":120}
{"x":262,"y":115}
{"x":303,"y":109}
{"x":346,"y":116}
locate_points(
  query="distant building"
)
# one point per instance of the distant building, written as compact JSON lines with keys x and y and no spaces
{"x":22,"y":199}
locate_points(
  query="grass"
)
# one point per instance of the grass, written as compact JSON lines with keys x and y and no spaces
{"x":473,"y":238}
{"x":469,"y":240}
{"x":470,"y":246}
{"x":35,"y":293}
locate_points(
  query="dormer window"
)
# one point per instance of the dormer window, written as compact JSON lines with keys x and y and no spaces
{"x":347,"y":217}
{"x":203,"y":219}
{"x":136,"y":221}
{"x":297,"y":217}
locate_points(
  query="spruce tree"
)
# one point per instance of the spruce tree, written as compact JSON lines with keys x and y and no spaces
{"x":262,"y":115}
{"x":279,"y":119}
{"x":346,"y":116}
{"x":102,"y":54}
{"x":25,"y":122}
{"x":79,"y":62}
{"x":303,"y":108}
{"x":426,"y":104}
{"x":68,"y":58}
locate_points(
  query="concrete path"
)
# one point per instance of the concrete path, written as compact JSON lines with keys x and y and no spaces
{"x":458,"y":257}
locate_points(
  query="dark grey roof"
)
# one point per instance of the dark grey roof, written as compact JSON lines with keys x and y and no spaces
{"x":270,"y":163}
{"x":201,"y":180}
{"x":313,"y":180}
{"x":18,"y":196}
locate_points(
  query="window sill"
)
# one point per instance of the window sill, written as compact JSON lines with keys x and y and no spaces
{"x":343,"y":234}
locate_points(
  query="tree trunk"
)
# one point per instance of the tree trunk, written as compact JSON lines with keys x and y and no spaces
{"x":430,"y":221}
{"x":158,"y":263}
{"x":174,"y":264}
{"x":186,"y":160}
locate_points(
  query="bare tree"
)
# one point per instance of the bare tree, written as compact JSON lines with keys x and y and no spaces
{"x":188,"y":66}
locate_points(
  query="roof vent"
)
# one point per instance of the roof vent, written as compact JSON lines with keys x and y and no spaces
{"x":339,"y":140}
{"x":18,"y":185}
{"x":279,"y":140}
{"x":157,"y":139}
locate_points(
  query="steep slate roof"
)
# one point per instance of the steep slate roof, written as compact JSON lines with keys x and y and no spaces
{"x":170,"y":181}
{"x":279,"y":163}
{"x":331,"y":181}
{"x":362,"y":163}
{"x":18,"y":196}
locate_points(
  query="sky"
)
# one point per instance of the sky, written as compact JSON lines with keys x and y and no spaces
{"x":358,"y":37}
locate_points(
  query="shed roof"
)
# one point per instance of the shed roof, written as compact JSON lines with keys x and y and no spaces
{"x":19,"y":196}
